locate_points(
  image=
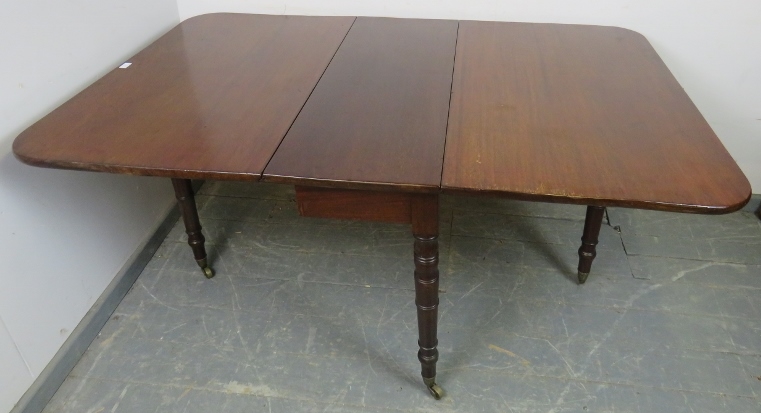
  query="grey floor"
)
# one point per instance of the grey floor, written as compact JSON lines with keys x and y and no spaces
{"x":318,"y":316}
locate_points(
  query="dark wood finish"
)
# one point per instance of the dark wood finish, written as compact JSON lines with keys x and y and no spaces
{"x":589,"y":239}
{"x":210,"y":99}
{"x":559,"y":113}
{"x":353,"y":204}
{"x":580,"y":114}
{"x":183,"y":190}
{"x":422,"y":212}
{"x":425,"y":229}
{"x":378,"y":117}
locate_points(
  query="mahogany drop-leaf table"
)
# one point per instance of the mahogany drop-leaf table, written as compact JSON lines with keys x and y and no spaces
{"x":374,"y":118}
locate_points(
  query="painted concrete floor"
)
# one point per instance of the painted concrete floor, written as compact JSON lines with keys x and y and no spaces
{"x":318,"y":316}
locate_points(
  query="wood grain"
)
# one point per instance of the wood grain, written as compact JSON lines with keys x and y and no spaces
{"x":210,"y":99}
{"x":580,"y":114}
{"x":558,"y":113}
{"x":378,"y":116}
{"x":353,"y":204}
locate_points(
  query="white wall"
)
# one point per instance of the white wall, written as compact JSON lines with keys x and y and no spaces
{"x":63,"y":235}
{"x":711,"y":46}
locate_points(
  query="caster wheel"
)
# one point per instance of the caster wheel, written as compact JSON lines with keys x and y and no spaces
{"x":208,"y":272}
{"x":583,"y":277}
{"x":436,"y":391}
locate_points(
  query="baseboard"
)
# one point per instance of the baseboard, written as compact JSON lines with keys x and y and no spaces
{"x":47,"y":383}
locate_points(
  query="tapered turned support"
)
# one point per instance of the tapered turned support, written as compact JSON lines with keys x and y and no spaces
{"x":588,"y":251}
{"x":185,"y":199}
{"x":425,"y":229}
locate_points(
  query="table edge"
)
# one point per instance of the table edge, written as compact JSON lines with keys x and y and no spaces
{"x":607,"y":202}
{"x":351,"y":185}
{"x":387,"y":187}
{"x":137,"y":170}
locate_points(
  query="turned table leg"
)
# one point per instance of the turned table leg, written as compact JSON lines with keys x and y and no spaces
{"x":587,"y":251}
{"x":422,"y":212}
{"x":425,"y":229}
{"x":184,"y":193}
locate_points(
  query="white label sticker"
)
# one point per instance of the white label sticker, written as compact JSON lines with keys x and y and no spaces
{"x":125,"y":65}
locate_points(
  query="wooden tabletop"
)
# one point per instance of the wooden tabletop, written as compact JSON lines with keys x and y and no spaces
{"x":378,"y":117}
{"x":581,"y":114}
{"x":212,"y":98}
{"x":560,"y":113}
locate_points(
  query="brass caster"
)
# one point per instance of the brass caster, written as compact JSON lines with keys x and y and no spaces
{"x":583,"y":277}
{"x":204,"y":264}
{"x":436,"y":391}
